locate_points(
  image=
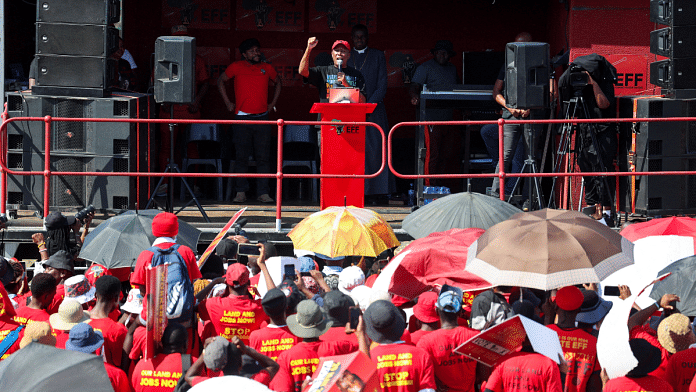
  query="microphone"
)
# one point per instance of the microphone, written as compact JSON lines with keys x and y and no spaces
{"x":339,"y":62}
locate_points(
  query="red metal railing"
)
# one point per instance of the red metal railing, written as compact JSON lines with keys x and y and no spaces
{"x":386,"y":153}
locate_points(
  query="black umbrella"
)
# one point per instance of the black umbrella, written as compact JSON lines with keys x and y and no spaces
{"x":682,"y":282}
{"x":38,"y":367}
{"x":118,"y":241}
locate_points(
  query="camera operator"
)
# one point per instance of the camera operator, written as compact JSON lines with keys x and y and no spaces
{"x":59,"y":230}
{"x":592,"y":78}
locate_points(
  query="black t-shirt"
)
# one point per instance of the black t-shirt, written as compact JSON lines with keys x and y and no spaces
{"x":324,"y":78}
{"x":501,"y":76}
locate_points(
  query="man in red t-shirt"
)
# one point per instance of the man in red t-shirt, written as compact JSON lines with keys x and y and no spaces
{"x":638,"y":379}
{"x":62,"y":267}
{"x":165,"y":226}
{"x":251,"y":80}
{"x":337,"y":308}
{"x":107,"y":294}
{"x":43,"y":289}
{"x":276,"y":337}
{"x":579,"y":347}
{"x":237,"y":314}
{"x":161,"y":373}
{"x":454,"y":372}
{"x":84,"y":339}
{"x":301,"y":361}
{"x":525,"y":371}
{"x":675,"y":334}
{"x":401,"y":367}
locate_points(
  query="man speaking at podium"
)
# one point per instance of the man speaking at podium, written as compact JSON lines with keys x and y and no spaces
{"x":336,"y":75}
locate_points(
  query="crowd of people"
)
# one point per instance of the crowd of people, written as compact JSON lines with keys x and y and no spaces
{"x":239,"y":321}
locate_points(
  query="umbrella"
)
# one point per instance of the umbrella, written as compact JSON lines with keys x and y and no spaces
{"x":118,"y":241}
{"x":458,"y":210}
{"x":676,"y":225}
{"x":344,"y":231}
{"x":682,"y":282}
{"x":430,"y":262}
{"x":38,"y":367}
{"x":650,"y":255}
{"x":548,"y":249}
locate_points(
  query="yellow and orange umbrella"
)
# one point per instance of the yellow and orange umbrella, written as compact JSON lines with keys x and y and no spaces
{"x":344,"y":231}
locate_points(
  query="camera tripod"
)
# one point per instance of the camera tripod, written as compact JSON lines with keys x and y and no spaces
{"x":174,"y":168}
{"x":530,"y":166}
{"x":575,"y":106}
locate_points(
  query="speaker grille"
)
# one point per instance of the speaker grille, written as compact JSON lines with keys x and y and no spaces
{"x":68,"y":190}
{"x":120,"y":108}
{"x":14,"y":161}
{"x":69,"y":135}
{"x":121,"y":165}
{"x":15,"y":198}
{"x":121,"y":147}
{"x":14,"y":103}
{"x":655,"y":109}
{"x":655,"y":165}
{"x":15,"y":142}
{"x":655,"y":203}
{"x":655,"y":147}
{"x":120,"y":202}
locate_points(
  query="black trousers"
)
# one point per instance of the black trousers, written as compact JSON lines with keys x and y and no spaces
{"x":590,"y":159}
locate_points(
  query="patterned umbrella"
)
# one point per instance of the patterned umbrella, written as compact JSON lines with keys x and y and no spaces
{"x":548,"y":249}
{"x":458,"y":211}
{"x":344,"y":231}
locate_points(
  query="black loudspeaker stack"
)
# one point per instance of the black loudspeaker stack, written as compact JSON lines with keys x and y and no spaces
{"x":677,"y":74}
{"x":660,"y":146}
{"x":527,"y":75}
{"x":175,"y":69}
{"x":74,"y":42}
{"x":77,"y":147}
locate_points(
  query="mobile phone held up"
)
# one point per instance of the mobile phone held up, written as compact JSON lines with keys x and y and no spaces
{"x":248,"y":250}
{"x":289,"y":271}
{"x":612,"y":290}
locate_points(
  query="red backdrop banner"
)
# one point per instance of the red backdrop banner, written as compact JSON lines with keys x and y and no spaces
{"x":216,"y":59}
{"x":327,"y":16}
{"x":270,"y":15}
{"x":197,"y":14}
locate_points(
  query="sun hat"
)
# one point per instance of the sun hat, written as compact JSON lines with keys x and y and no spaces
{"x":450,"y":299}
{"x":237,"y":275}
{"x":38,"y":331}
{"x":674,"y":333}
{"x":56,"y":220}
{"x":274,"y":302}
{"x":60,"y":260}
{"x":350,"y":278}
{"x":593,"y":308}
{"x":306,"y":263}
{"x":340,"y":42}
{"x":309,"y":321}
{"x":96,"y":271}
{"x":337,"y":307}
{"x":383,"y":322}
{"x":227,"y":247}
{"x":69,"y":314}
{"x":216,"y":354}
{"x":361,"y":296}
{"x":425,"y":310}
{"x":648,"y":357}
{"x":569,"y":298}
{"x":134,"y":302}
{"x":84,"y":338}
{"x":165,"y":224}
{"x":78,"y":288}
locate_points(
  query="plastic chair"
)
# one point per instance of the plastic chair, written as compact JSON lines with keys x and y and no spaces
{"x":203,"y":133}
{"x":300,"y":149}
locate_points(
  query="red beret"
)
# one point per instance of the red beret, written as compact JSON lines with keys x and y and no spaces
{"x":569,"y":298}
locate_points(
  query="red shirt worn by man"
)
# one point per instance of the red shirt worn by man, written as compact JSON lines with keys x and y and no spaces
{"x":26,"y":315}
{"x":681,"y":368}
{"x":114,"y":336}
{"x":339,"y":333}
{"x":403,"y":368}
{"x":7,"y":323}
{"x":580,"y":351}
{"x":638,"y":384}
{"x":57,"y":299}
{"x":118,"y":378}
{"x":272,"y":340}
{"x":251,"y":85}
{"x":456,"y":372}
{"x":525,"y":372}
{"x":233,"y":315}
{"x":649,"y":334}
{"x":159,"y":374}
{"x":301,"y":361}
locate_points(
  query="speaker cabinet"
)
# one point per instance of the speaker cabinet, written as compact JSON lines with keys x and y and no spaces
{"x":674,"y":42}
{"x":76,"y":39}
{"x":79,"y":76}
{"x":175,"y":61}
{"x":674,"y":73}
{"x":77,"y":147}
{"x":673,"y":12}
{"x":527,"y":75}
{"x":102,"y":12}
{"x":660,"y":146}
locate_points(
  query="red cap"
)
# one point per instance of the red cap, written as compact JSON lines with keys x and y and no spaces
{"x":165,"y":224}
{"x":569,"y":298}
{"x":425,"y":308}
{"x":237,"y":275}
{"x":340,"y":42}
{"x":95,"y":272}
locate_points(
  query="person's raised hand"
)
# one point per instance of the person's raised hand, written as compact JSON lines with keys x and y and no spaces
{"x":239,"y":343}
{"x":590,"y":286}
{"x":341,"y":78}
{"x":667,"y":299}
{"x":316,"y":275}
{"x":624,"y":291}
{"x":37,"y":238}
{"x":312,"y":43}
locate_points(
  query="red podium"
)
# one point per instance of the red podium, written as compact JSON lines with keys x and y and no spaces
{"x":343,"y":152}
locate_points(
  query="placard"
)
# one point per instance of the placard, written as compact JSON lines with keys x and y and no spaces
{"x":270,"y":15}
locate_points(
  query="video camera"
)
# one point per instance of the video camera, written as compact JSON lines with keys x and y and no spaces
{"x":82,"y":214}
{"x":578,"y":77}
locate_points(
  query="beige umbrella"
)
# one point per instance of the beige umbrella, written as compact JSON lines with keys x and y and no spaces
{"x":548,"y":249}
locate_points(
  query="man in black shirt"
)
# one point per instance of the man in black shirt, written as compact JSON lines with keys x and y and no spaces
{"x":326,"y":77}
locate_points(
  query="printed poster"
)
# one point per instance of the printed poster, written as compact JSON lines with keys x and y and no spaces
{"x":353,"y":372}
{"x":197,"y":14}
{"x":339,"y":16}
{"x":270,"y":15}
